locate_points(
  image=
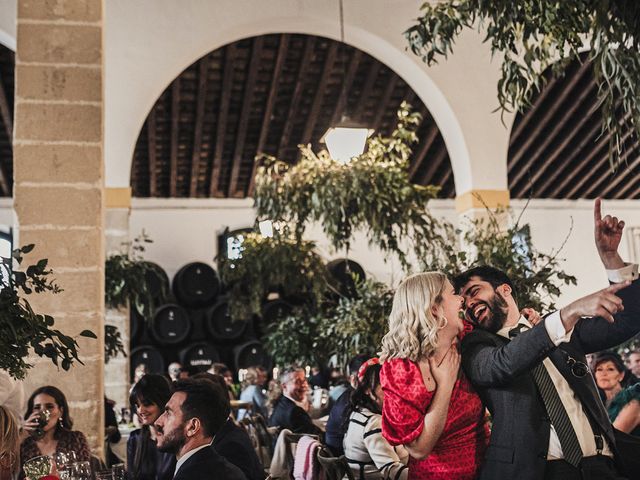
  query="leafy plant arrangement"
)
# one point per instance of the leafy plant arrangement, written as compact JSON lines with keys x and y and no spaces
{"x":372,"y":193}
{"x":532,"y":35}
{"x":281,"y":263}
{"x":128,"y":279}
{"x":21,"y":328}
{"x":113,"y":345}
{"x":537,"y":276}
{"x":336,"y":331}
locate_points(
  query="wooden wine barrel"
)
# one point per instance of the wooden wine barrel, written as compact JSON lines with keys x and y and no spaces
{"x":196,"y":285}
{"x":342,"y":272}
{"x":149,"y":356}
{"x":170,"y":325}
{"x":251,"y":354}
{"x":274,"y":310}
{"x":220,"y":326}
{"x":200,"y":355}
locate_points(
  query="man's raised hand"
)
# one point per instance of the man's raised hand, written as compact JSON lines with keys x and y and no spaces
{"x":608,"y":233}
{"x":603,"y":303}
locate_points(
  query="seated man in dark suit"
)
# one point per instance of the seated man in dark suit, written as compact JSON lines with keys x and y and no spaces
{"x":194,"y":414}
{"x":234,"y":444}
{"x":288,"y":412}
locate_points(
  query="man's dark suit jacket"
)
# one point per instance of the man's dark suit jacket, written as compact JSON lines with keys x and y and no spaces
{"x":500,"y":370}
{"x":286,"y":414}
{"x":207,"y":464}
{"x":233,"y":443}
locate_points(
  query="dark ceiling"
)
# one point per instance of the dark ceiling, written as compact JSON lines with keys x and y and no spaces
{"x":270,"y":93}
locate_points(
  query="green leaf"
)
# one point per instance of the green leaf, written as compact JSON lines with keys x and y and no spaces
{"x":88,"y":334}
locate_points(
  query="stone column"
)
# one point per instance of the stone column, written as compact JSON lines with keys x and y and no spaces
{"x":59,"y":185}
{"x":116,"y":372}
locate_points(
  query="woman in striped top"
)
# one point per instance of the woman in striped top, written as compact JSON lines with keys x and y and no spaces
{"x":369,"y":455}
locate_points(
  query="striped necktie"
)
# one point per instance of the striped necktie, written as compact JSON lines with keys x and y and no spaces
{"x":555,"y":409}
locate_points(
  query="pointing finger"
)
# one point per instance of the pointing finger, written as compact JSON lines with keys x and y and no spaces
{"x":617,"y":286}
{"x":597,"y":213}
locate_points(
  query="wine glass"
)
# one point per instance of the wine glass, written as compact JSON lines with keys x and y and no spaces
{"x":104,"y":475}
{"x":37,"y":467}
{"x":118,"y":471}
{"x":81,"y":471}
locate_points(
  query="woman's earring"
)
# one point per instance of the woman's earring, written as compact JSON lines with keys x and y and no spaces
{"x":60,"y":422}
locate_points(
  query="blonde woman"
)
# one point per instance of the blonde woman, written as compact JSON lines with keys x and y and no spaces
{"x":9,"y":445}
{"x":253,"y":392}
{"x":430,"y":407}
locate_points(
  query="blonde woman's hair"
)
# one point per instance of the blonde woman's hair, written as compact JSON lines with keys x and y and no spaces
{"x":251,"y":376}
{"x":9,"y":437}
{"x":413,"y":328}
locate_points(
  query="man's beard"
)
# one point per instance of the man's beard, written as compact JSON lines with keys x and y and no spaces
{"x":496,"y":314}
{"x":173,"y":441}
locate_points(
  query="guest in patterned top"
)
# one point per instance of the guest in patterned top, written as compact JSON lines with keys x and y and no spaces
{"x":369,"y":455}
{"x":58,"y":436}
{"x":429,"y":405}
{"x":623,"y":404}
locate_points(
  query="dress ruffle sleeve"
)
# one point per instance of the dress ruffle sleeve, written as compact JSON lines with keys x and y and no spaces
{"x":406,"y":400}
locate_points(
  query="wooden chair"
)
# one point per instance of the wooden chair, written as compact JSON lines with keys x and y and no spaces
{"x":334,"y":468}
{"x":291,"y":441}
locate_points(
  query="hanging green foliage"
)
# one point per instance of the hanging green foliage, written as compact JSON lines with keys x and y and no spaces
{"x":533,"y":35}
{"x":113,"y":345}
{"x":22,"y":329}
{"x":280,"y":264}
{"x":128,"y":279}
{"x":372,"y":194}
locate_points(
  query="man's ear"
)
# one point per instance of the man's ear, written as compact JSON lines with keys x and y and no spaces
{"x":505,"y":290}
{"x":193,"y":427}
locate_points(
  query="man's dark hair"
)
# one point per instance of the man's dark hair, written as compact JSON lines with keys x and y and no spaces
{"x":494,"y":276}
{"x":356,"y":362}
{"x":205,"y":401}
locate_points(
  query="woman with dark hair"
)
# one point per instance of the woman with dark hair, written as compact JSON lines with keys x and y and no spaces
{"x":621,"y":399}
{"x":369,"y":455}
{"x":144,"y":462}
{"x":56,"y":436}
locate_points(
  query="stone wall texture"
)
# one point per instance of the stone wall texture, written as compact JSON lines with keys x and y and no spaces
{"x":59,"y":185}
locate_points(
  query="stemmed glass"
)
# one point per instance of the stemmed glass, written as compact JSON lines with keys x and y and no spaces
{"x":118,"y":471}
{"x":81,"y":471}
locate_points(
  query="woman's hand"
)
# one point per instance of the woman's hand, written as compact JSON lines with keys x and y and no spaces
{"x":531,"y":315}
{"x":446,"y":373}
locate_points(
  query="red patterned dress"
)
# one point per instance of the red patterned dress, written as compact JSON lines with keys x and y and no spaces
{"x":459,"y":452}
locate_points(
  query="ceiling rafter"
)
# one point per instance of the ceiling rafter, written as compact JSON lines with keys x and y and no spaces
{"x":5,"y":111}
{"x":385,"y":100}
{"x":297,"y":95}
{"x":175,"y":128}
{"x":283,"y":48}
{"x":152,"y":153}
{"x":431,"y":170}
{"x":597,"y":181}
{"x":418,"y":159}
{"x":540,"y":148}
{"x":247,"y":100}
{"x":350,"y":75}
{"x":223,"y":110}
{"x":203,"y":68}
{"x":623,"y":190}
{"x":546,"y":119}
{"x":372,"y":75}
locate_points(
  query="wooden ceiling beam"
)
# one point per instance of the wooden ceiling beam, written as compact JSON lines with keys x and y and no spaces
{"x":5,"y":112}
{"x":247,"y":101}
{"x":433,"y":166}
{"x":534,"y":133}
{"x":152,"y":153}
{"x":445,"y":179}
{"x":221,"y":126}
{"x":268,"y":111}
{"x":297,"y":95}
{"x":529,"y":114}
{"x":594,"y":189}
{"x":635,"y":193}
{"x":340,"y":109}
{"x":175,"y":130}
{"x":319,"y":96}
{"x":602,"y":149}
{"x":372,"y":75}
{"x":201,"y":95}
{"x":424,"y":148}
{"x":524,"y":168}
{"x":384,"y":103}
{"x":550,"y":161}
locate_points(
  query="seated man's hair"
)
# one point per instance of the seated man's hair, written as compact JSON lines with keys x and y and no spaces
{"x":287,"y":372}
{"x":206,"y":401}
{"x":494,"y":276}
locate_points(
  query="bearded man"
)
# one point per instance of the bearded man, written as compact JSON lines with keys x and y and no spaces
{"x":548,"y":420}
{"x":193,"y":415}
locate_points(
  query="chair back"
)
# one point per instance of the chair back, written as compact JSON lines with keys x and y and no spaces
{"x":291,"y":441}
{"x":334,"y":468}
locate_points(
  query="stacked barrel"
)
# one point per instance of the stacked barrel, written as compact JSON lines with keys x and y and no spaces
{"x":194,"y":328}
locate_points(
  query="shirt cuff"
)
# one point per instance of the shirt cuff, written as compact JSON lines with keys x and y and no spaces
{"x":628,"y":272}
{"x":555,"y":329}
